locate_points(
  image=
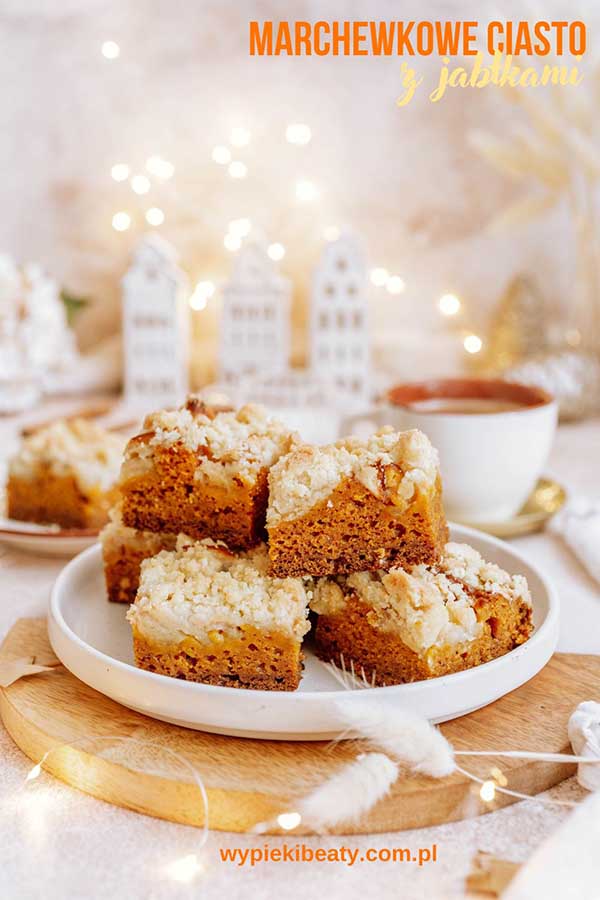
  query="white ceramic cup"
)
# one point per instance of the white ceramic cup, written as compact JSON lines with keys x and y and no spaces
{"x":490,"y":461}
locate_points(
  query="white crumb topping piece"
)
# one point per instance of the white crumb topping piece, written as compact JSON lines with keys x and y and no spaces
{"x":463,"y":562}
{"x":228,"y":443}
{"x":76,"y":447}
{"x":391,"y":465}
{"x":202,"y":590}
{"x":427,"y":606}
{"x":116,"y":535}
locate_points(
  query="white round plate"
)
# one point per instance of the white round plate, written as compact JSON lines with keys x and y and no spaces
{"x":44,"y":540}
{"x":92,"y":639}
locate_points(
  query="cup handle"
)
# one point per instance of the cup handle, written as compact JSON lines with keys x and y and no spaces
{"x":362,"y":424}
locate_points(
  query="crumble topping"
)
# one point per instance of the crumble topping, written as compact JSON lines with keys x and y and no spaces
{"x":228,"y":443}
{"x":464,"y":563}
{"x":203,"y":590}
{"x":77,"y":447}
{"x":427,"y":605}
{"x":391,"y":465}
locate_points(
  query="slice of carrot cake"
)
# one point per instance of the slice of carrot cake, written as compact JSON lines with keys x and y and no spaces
{"x":408,"y":625}
{"x":356,"y":505}
{"x":203,"y":471}
{"x":203,"y":613}
{"x":123,"y":550}
{"x":65,"y":474}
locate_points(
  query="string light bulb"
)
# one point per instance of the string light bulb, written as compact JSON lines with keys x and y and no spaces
{"x":201,"y":294}
{"x":306,"y":191}
{"x":232,"y":242}
{"x":33,"y":773}
{"x":237,"y":169}
{"x":140,"y":184}
{"x":276,"y":251}
{"x":240,"y":136}
{"x":395,"y":284}
{"x":121,"y":221}
{"x":379,"y":277}
{"x":198,"y":301}
{"x":499,"y":776}
{"x":221,"y":155}
{"x":288,"y":821}
{"x":487,"y":791}
{"x":240,"y":227}
{"x":185,"y":869}
{"x":449,"y":304}
{"x":160,"y":167}
{"x":155,"y":216}
{"x":298,"y":133}
{"x":472,"y":343}
{"x":120,"y":172}
{"x":110,"y":50}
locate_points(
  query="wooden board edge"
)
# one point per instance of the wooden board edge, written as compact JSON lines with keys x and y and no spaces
{"x":238,"y":810}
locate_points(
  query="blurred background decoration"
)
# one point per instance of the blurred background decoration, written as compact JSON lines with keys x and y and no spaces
{"x":36,"y":342}
{"x":155,"y":327}
{"x":121,"y":120}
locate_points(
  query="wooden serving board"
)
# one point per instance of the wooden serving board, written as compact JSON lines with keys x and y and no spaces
{"x":250,"y":781}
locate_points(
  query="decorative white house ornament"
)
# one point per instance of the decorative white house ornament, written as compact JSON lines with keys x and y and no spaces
{"x":294,"y":389}
{"x":255,"y":323}
{"x":339,"y":322}
{"x":255,"y":338}
{"x":155,"y":328}
{"x":305,"y":403}
{"x":584,"y":734}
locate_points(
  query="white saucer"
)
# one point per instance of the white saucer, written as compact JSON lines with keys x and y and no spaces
{"x":45,"y":540}
{"x":92,"y":638}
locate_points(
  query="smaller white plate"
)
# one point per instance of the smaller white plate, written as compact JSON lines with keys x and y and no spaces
{"x":93,"y":640}
{"x":45,"y":540}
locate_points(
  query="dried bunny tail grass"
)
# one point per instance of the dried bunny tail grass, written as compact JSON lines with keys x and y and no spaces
{"x":406,"y":736}
{"x":523,"y":211}
{"x":349,"y":678}
{"x":345,"y":797}
{"x":553,"y":127}
{"x":524,"y":154}
{"x":504,"y":156}
{"x":350,"y":793}
{"x":552,"y":168}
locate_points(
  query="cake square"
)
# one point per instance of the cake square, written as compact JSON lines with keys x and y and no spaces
{"x":203,"y":613}
{"x":123,"y":550}
{"x":65,"y":474}
{"x":408,"y":625}
{"x":356,"y":505}
{"x":203,"y":471}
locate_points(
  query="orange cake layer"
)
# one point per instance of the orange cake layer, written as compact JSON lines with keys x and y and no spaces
{"x":203,"y":613}
{"x":203,"y":471}
{"x":123,"y":550}
{"x":404,"y":626}
{"x":259,"y":660}
{"x":356,"y":506}
{"x":65,"y":474}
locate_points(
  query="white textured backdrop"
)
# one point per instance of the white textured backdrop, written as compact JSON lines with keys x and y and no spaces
{"x":406,"y":178}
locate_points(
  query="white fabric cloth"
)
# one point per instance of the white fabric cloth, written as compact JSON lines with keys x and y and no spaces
{"x":567,"y":865}
{"x":579,"y":526}
{"x":584,"y":734}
